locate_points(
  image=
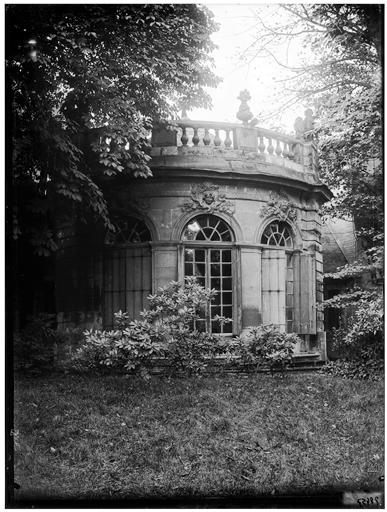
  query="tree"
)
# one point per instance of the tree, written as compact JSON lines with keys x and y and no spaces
{"x":85,"y":84}
{"x":330,"y":57}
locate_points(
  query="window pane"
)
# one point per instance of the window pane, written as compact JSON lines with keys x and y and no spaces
{"x":226,"y":237}
{"x":227,"y":298}
{"x":227,"y":312}
{"x":188,"y":269}
{"x":216,"y":299}
{"x":215,"y":310}
{"x":215,"y":256}
{"x":226,"y":270}
{"x":200,"y":269}
{"x":227,"y":328}
{"x":215,"y":283}
{"x":199,"y":255}
{"x":215,"y":269}
{"x":213,"y":221}
{"x":201,"y":281}
{"x":226,"y":256}
{"x":227,"y":283}
{"x":189,"y":235}
{"x":189,"y":254}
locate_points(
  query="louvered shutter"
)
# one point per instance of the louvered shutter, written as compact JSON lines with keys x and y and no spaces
{"x":273,"y":287}
{"x":304,"y":293}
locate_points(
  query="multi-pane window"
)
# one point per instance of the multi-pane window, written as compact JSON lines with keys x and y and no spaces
{"x":277,"y":233}
{"x":127,"y":270}
{"x":212,"y":266}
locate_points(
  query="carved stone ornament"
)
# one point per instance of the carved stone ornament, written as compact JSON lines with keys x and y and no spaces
{"x":207,"y":197}
{"x":139,"y":204}
{"x":279,"y":206}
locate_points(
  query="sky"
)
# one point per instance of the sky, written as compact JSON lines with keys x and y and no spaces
{"x":238,"y":28}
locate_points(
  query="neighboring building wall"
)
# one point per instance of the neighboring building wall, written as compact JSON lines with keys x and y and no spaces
{"x":339,"y":248}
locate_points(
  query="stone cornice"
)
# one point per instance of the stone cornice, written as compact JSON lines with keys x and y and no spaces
{"x":267,"y":179}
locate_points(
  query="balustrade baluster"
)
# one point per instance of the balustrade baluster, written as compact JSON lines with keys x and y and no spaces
{"x":217,"y":140}
{"x":228,"y":141}
{"x":195,"y":138}
{"x":291,"y":151}
{"x":261,"y":146}
{"x":270,"y":147}
{"x":184,"y":138}
{"x":285,"y":152}
{"x":206,"y":138}
{"x":278,"y":149}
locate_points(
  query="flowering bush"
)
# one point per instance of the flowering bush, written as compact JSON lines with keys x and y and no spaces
{"x":166,"y":329}
{"x":265,"y":345}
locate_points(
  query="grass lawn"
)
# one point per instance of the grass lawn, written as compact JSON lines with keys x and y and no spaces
{"x":116,"y":437}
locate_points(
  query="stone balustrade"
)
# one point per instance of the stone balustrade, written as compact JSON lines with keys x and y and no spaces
{"x":234,"y":136}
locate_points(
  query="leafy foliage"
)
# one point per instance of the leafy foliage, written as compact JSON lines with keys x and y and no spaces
{"x":166,"y":331}
{"x":36,"y":345}
{"x":85,"y":84}
{"x":360,"y":343}
{"x":366,"y":367}
{"x":339,"y":74}
{"x":266,"y":346}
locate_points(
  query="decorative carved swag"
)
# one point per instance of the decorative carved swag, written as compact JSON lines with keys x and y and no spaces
{"x":207,"y":197}
{"x":279,"y":206}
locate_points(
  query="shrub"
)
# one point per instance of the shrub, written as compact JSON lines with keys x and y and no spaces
{"x":361,"y":343}
{"x":167,"y":330}
{"x":35,"y":347}
{"x":265,"y":346}
{"x":366,"y":368}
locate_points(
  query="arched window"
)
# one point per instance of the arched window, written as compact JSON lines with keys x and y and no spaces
{"x":277,"y":233}
{"x":208,"y":255}
{"x":277,"y":276}
{"x":207,"y":228}
{"x":130,"y":231}
{"x":127,"y":269}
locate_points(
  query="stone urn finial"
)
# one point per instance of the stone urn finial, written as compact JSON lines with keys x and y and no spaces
{"x":244,"y":114}
{"x":299,"y":127}
{"x":184,"y":113}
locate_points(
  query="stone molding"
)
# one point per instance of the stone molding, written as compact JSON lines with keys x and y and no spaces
{"x":207,"y":197}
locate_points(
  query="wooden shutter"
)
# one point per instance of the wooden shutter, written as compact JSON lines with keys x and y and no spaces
{"x":304,"y":293}
{"x":127,"y":281}
{"x":273,"y":287}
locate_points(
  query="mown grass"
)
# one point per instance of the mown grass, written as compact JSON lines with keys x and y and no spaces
{"x":113,"y":437}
